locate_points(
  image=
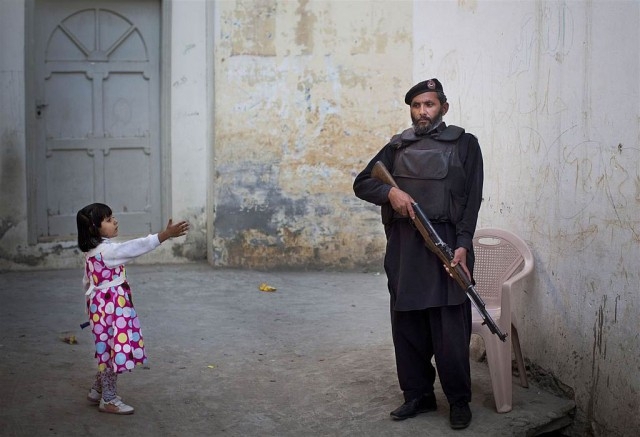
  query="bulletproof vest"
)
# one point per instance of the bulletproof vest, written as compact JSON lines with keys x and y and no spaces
{"x":430,"y":171}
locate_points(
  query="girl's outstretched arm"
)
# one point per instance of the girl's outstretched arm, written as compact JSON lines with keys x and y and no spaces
{"x":173,"y":230}
{"x":115,"y":254}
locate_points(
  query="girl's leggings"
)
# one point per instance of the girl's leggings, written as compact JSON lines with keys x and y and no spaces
{"x":106,"y":382}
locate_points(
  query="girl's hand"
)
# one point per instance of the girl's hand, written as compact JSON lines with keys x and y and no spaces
{"x":173,"y":230}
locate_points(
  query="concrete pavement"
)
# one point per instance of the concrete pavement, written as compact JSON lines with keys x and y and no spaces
{"x":313,"y":358}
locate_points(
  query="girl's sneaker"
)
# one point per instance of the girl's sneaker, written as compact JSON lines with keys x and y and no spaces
{"x":94,"y":396}
{"x":115,"y":406}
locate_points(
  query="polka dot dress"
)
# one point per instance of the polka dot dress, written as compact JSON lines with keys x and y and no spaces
{"x":114,"y":322}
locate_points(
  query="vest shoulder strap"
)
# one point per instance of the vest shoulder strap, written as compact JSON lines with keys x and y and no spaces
{"x":451,"y":133}
{"x":395,"y":141}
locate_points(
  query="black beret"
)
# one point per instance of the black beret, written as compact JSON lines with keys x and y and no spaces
{"x":423,"y":87}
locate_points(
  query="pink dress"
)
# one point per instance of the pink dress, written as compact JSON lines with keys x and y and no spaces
{"x":112,"y":316}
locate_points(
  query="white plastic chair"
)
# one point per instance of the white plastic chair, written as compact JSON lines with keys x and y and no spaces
{"x":502,"y":259}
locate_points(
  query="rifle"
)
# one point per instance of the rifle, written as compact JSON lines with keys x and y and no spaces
{"x":443,"y":251}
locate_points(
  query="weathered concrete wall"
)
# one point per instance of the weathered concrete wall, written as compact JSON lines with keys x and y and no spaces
{"x":306,"y":91}
{"x":552,"y":90}
{"x":191,"y":113}
{"x":13,"y":184}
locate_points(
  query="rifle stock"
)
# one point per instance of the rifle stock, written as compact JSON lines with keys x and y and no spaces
{"x":442,"y":251}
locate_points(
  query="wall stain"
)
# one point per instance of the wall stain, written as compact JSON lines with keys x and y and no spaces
{"x":305,"y":27}
{"x":6,"y":224}
{"x":599,"y":355}
{"x":253,"y":27}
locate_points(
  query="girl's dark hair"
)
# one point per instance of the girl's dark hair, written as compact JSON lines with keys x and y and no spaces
{"x":89,"y":220}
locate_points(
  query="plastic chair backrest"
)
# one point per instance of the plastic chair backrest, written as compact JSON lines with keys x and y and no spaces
{"x":501,"y":256}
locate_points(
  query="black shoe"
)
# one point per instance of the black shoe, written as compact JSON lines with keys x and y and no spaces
{"x":459,"y":415}
{"x":414,"y":407}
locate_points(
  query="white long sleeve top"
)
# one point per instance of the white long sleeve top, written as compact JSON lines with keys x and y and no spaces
{"x":115,"y":254}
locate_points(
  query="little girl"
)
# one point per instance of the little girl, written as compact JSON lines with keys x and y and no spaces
{"x":113,"y":319}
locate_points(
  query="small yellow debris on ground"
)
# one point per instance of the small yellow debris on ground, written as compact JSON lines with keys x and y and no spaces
{"x":71,"y":339}
{"x":265,"y":287}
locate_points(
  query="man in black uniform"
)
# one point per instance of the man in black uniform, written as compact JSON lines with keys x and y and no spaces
{"x":440,"y":168}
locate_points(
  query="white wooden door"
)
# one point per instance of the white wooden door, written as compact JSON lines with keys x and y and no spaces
{"x":97,"y":112}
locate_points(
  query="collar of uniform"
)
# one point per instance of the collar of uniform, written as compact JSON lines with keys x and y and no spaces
{"x":410,"y":136}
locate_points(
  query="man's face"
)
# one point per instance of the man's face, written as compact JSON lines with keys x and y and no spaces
{"x":426,"y":111}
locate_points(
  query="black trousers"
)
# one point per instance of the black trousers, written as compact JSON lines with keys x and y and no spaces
{"x":443,"y":333}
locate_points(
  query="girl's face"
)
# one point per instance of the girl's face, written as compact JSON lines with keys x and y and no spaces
{"x":109,"y":227}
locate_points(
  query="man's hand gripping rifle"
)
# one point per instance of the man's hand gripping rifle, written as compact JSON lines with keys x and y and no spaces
{"x":443,"y":251}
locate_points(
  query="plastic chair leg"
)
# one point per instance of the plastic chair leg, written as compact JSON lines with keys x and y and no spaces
{"x":522,"y":371}
{"x":499,"y":360}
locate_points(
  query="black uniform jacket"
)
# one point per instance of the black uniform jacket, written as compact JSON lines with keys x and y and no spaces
{"x":416,"y":277}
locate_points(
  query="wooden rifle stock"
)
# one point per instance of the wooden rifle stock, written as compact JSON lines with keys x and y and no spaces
{"x":442,"y":251}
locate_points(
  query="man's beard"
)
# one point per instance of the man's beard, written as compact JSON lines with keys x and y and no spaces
{"x":423,"y":129}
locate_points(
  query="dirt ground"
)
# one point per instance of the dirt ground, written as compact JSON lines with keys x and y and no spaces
{"x":313,"y":358}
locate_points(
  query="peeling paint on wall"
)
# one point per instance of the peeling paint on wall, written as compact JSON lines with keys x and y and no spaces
{"x":293,"y":129}
{"x":253,"y":24}
{"x":305,"y":27}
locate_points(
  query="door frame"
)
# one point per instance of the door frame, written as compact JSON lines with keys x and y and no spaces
{"x":30,"y":119}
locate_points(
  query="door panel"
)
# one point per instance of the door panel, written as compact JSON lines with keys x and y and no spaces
{"x":97,"y":96}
